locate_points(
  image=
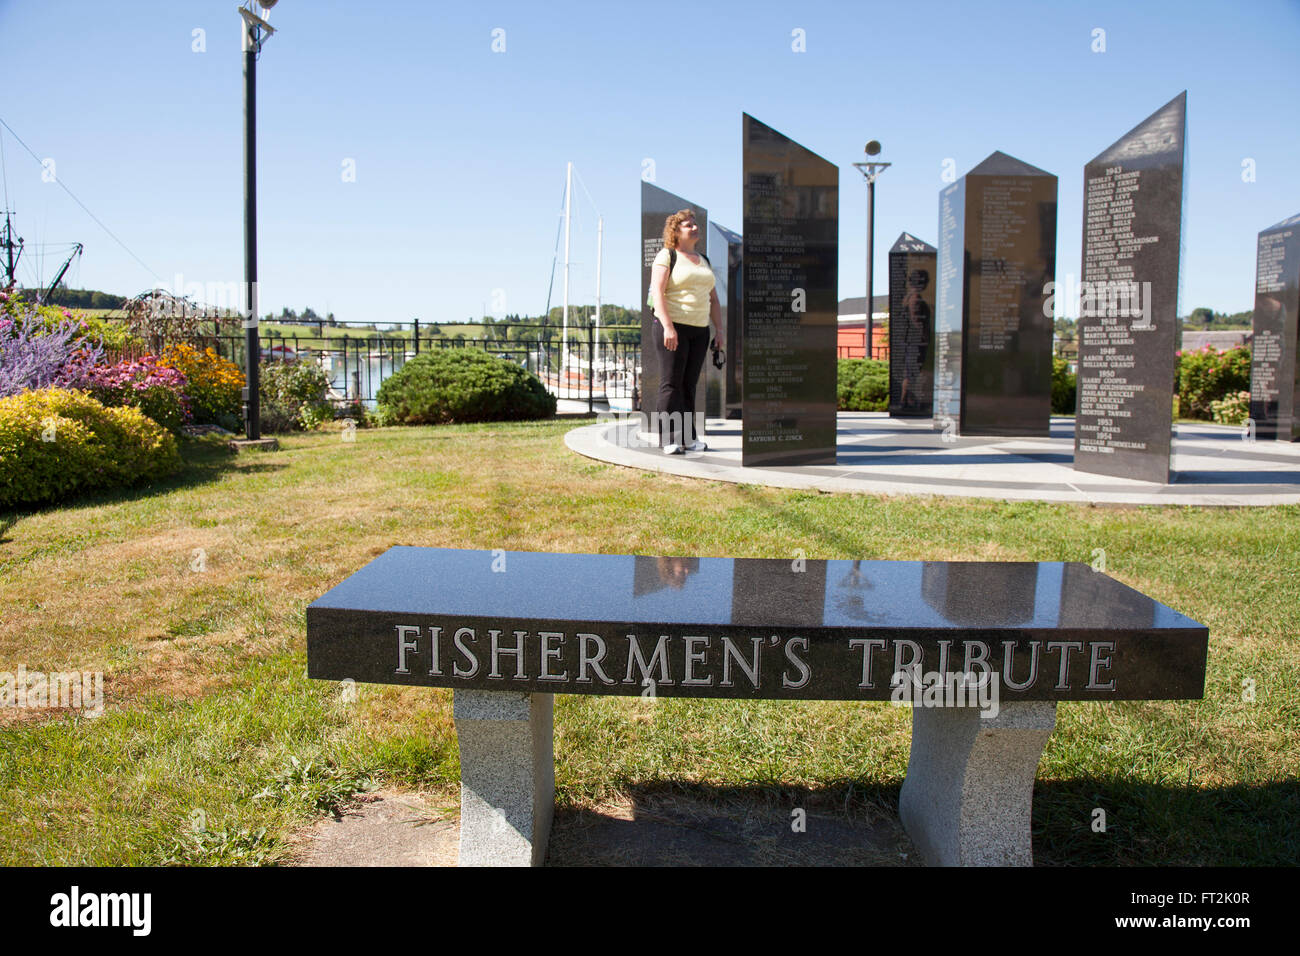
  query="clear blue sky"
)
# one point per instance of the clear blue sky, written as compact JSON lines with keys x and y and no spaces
{"x":460,"y":152}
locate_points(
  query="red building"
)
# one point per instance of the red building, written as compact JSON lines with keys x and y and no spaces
{"x":851,"y":339}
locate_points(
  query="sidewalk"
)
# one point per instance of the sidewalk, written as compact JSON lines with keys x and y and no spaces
{"x":882,"y":455}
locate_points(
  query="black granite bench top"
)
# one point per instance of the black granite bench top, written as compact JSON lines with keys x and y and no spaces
{"x":747,"y":627}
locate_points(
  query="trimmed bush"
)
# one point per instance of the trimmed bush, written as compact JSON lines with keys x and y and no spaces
{"x":293,"y":396}
{"x":1064,"y":387}
{"x":212,"y":384}
{"x":56,"y":443}
{"x":862,"y":385}
{"x":462,"y":385}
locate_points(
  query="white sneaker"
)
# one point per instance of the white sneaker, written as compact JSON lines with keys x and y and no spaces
{"x":697,"y":445}
{"x":673,"y":449}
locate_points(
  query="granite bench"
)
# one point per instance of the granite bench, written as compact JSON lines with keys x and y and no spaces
{"x":982,"y":651}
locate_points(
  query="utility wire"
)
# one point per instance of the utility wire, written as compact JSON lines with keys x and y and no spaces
{"x":4,"y":172}
{"x":81,"y":204}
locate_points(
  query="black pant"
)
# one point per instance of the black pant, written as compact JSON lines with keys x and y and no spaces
{"x":679,"y":371}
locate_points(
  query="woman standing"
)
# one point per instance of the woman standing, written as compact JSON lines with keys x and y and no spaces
{"x":684,"y":304}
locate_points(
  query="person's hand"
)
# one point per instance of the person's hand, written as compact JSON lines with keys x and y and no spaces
{"x":670,"y":338}
{"x":720,"y":339}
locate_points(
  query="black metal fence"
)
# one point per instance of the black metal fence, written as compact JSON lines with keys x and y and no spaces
{"x":598,"y":373}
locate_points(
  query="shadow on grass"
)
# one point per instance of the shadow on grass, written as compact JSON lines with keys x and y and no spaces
{"x":676,"y":824}
{"x":1166,"y":825}
{"x":851,"y":824}
{"x":811,"y":531}
{"x":203,"y":462}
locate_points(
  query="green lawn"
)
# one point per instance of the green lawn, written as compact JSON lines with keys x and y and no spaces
{"x":214,"y":746}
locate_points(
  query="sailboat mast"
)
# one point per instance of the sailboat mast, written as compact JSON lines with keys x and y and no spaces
{"x":600,"y":241}
{"x":564,"y":339}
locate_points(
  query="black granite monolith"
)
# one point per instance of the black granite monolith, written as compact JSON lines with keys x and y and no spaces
{"x":913,"y":268}
{"x":1128,"y":299}
{"x":1274,"y":371}
{"x":993,"y":339}
{"x":656,"y":206}
{"x":791,"y":262}
{"x":726,"y":260}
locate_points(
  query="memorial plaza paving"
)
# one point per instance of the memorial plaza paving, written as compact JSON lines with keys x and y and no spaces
{"x":1212,"y":464}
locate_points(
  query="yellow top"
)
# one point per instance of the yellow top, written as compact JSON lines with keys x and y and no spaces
{"x":687,"y":292}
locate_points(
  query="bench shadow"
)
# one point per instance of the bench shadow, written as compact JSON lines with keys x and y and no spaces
{"x":850,"y":824}
{"x":676,"y":824}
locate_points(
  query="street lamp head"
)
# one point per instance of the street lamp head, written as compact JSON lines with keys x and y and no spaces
{"x":267,"y":4}
{"x":253,"y":22}
{"x":873,"y":148}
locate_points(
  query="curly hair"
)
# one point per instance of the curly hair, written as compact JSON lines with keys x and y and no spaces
{"x":671,"y":224}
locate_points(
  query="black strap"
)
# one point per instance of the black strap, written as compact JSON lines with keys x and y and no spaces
{"x":672,"y":261}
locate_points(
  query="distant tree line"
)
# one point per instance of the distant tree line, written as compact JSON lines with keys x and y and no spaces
{"x":1210,"y":321}
{"x":307,"y":316}
{"x":77,"y":298}
{"x":617,"y":324}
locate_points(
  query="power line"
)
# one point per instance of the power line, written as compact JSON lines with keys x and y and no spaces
{"x":81,"y":204}
{"x":4,"y":171}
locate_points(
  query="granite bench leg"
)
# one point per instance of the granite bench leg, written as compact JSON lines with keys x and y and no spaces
{"x":507,"y":776}
{"x":969,"y":791}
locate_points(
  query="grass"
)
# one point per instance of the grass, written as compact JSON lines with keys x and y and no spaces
{"x":214,"y":747}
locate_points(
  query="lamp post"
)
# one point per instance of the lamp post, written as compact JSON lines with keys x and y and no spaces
{"x":870,"y":170}
{"x":255,"y":33}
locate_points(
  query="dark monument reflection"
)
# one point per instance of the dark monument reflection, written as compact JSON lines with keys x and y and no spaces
{"x":913,"y":268}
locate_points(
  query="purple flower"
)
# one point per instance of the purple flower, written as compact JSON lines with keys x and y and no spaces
{"x":32,"y":358}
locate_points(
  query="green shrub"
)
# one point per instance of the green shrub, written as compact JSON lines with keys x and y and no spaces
{"x":462,"y":385}
{"x":1231,"y":410}
{"x":862,"y":385}
{"x":1064,"y":387}
{"x":293,"y":396}
{"x":1206,"y":376}
{"x":112,"y":335}
{"x":55,"y":443}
